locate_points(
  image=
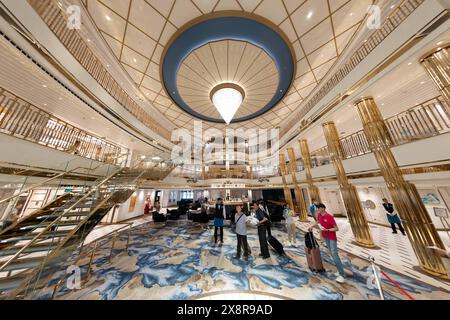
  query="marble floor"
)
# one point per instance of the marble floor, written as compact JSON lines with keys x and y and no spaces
{"x":178,"y":261}
{"x":394,"y":251}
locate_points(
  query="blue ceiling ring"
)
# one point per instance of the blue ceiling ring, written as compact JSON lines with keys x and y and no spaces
{"x":228,"y":28}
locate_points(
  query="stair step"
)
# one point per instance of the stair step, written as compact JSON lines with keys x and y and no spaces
{"x":31,"y":249}
{"x":72,"y":214}
{"x":23,"y":263}
{"x":12,"y":282}
{"x":29,"y":236}
{"x":44,"y":224}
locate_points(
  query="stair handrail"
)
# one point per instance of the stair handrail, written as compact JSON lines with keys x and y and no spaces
{"x":126,"y":225}
{"x":72,"y":232}
{"x":48,"y":180}
{"x":56,"y":220}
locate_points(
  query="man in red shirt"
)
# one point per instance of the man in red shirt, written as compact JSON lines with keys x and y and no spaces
{"x":327,"y":224}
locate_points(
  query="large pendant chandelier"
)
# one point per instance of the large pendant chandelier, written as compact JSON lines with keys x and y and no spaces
{"x":227,"y":98}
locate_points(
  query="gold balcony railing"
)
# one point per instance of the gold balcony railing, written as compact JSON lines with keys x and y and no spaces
{"x":56,"y":20}
{"x":427,"y":119}
{"x":424,"y":120}
{"x":355,"y":145}
{"x":23,"y":120}
{"x":390,"y":24}
{"x":320,"y":157}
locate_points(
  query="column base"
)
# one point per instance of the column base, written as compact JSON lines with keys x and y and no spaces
{"x":434,"y":273}
{"x":366,"y":245}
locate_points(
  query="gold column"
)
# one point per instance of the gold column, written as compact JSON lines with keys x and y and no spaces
{"x":301,"y":205}
{"x":355,"y":213}
{"x":313,"y":190}
{"x":437,"y":64}
{"x":418,"y":225}
{"x":287,"y":191}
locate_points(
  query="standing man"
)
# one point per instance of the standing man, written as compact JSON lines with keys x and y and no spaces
{"x":326,"y":223}
{"x":262,"y":220}
{"x":219,"y":216}
{"x":392,"y":216}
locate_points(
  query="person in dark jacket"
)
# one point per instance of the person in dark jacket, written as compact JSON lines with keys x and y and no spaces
{"x":392,"y":216}
{"x":219,"y":216}
{"x":262,"y":222}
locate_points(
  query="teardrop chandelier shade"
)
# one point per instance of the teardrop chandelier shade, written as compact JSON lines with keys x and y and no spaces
{"x":227,"y":98}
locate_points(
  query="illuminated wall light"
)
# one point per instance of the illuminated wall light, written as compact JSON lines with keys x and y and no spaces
{"x":309,"y":15}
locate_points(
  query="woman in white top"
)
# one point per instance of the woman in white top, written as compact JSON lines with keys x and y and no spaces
{"x":289,"y":215}
{"x":240,"y":220}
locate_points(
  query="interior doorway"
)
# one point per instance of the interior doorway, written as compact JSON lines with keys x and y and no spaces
{"x":335,"y":205}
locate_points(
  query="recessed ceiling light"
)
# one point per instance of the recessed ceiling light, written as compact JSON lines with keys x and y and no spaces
{"x":382,"y":104}
{"x":134,"y":59}
{"x":44,"y":85}
{"x":422,"y":82}
{"x":351,"y":14}
{"x":439,"y":43}
{"x":309,"y":15}
{"x":393,"y":6}
{"x":156,"y":158}
{"x":108,"y":65}
{"x":45,"y":104}
{"x":88,"y":40}
{"x":59,"y":98}
{"x":439,"y":48}
{"x":107,"y":17}
{"x":409,"y":63}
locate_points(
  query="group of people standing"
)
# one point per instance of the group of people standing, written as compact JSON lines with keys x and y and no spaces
{"x":323,"y":221}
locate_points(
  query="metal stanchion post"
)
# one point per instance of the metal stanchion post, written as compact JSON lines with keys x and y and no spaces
{"x":377,"y":276}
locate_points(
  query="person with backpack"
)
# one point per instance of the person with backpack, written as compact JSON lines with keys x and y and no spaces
{"x":289,"y":215}
{"x":219,"y":217}
{"x":262,"y":221}
{"x":265,"y":210}
{"x":326,"y":223}
{"x":392,"y":217}
{"x":240,"y":219}
{"x":313,"y":208}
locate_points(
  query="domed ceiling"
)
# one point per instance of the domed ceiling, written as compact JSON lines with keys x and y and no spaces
{"x":227,"y":61}
{"x":141,"y":32}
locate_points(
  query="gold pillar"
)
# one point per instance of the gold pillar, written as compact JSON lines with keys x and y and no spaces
{"x":287,"y":191}
{"x":437,"y":64}
{"x":418,"y":225}
{"x":313,"y":190}
{"x":301,"y":205}
{"x":355,"y":213}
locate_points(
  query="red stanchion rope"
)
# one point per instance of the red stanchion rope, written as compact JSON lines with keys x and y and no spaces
{"x":395,"y":284}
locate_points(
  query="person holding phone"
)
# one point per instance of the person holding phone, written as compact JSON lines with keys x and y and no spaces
{"x":392,"y":216}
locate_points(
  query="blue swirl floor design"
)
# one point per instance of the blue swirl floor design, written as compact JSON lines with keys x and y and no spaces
{"x":178,"y":261}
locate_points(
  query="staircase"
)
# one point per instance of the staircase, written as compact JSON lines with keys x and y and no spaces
{"x":34,"y":246}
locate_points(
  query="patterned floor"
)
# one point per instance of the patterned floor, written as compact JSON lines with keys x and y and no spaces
{"x":394,"y":251}
{"x":178,"y":261}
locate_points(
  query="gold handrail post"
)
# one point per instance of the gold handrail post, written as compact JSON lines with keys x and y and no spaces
{"x":88,"y":273}
{"x":112,"y":247}
{"x":128,"y":240}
